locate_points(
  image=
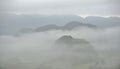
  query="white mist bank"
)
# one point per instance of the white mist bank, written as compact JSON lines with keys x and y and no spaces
{"x":29,"y":51}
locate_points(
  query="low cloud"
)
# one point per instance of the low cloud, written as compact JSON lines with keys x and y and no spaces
{"x":30,"y":51}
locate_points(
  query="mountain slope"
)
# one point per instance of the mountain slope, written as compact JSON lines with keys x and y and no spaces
{"x":71,"y":25}
{"x":68,"y":57}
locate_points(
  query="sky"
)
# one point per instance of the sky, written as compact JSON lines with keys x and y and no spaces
{"x":53,"y":7}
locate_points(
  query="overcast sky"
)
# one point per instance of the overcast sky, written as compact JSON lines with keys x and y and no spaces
{"x":79,"y":7}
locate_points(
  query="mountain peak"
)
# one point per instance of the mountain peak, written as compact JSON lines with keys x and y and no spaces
{"x":70,"y":41}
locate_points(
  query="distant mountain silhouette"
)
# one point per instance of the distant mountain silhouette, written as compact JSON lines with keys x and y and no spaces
{"x":102,"y":21}
{"x":47,"y":28}
{"x":71,"y":25}
{"x":26,"y":30}
{"x":12,"y":23}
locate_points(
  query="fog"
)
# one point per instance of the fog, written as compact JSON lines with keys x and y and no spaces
{"x":36,"y":50}
{"x":78,"y":34}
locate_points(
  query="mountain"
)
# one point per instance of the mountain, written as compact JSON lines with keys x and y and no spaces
{"x":11,"y":23}
{"x":69,"y":57}
{"x":68,"y":42}
{"x":102,"y":21}
{"x":47,"y":28}
{"x":74,"y":24}
{"x":26,"y":30}
{"x":71,"y":25}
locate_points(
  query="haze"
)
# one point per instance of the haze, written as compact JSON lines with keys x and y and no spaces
{"x":79,"y":7}
{"x":59,"y":34}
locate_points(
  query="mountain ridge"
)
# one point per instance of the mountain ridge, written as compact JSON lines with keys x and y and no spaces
{"x":69,"y":26}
